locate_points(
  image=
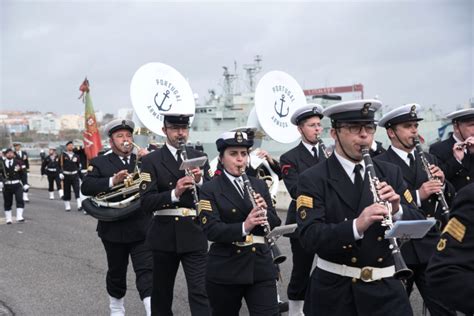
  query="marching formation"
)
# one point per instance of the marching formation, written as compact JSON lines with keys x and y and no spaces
{"x":221,"y":225}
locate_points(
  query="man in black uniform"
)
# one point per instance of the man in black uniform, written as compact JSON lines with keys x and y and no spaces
{"x":339,"y":221}
{"x":122,"y":238}
{"x":50,"y":168}
{"x":70,"y":168}
{"x":402,"y":128}
{"x":13,"y":176}
{"x":79,"y":150}
{"x":451,"y":269}
{"x":456,"y":154}
{"x":23,"y":156}
{"x":307,"y":154}
{"x":240,"y":263}
{"x":175,"y":235}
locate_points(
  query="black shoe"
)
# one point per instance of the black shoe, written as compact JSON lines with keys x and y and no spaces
{"x":79,"y":209}
{"x":68,"y":210}
{"x":9,"y":223}
{"x":21,"y":221}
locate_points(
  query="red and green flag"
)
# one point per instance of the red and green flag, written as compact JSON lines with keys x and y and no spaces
{"x":92,"y":142}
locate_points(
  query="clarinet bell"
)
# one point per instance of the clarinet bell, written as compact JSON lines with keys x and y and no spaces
{"x":278,"y":257}
{"x":402,"y":272}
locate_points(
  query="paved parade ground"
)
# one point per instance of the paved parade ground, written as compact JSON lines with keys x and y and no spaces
{"x":54,"y":264}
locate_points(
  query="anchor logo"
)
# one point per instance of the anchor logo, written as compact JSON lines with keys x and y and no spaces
{"x":280,"y":113}
{"x":165,"y":96}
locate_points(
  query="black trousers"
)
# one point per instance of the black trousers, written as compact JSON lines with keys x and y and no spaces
{"x":10,"y":191}
{"x":51,"y":179}
{"x":301,"y":271}
{"x":71,"y":180}
{"x":226,"y":299}
{"x":165,"y":267}
{"x":117,"y":262}
{"x":435,"y":307}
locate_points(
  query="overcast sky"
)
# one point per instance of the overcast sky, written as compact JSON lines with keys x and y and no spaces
{"x":401,"y":51}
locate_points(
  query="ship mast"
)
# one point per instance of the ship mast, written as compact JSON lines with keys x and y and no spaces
{"x":228,"y":87}
{"x":252,"y":70}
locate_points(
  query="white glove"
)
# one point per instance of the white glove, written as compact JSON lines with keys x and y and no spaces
{"x":26,"y":187}
{"x":1,"y":185}
{"x":61,"y":176}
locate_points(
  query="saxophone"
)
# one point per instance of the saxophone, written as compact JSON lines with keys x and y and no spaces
{"x":401,"y":270}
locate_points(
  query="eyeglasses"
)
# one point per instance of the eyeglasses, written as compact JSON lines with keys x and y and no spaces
{"x":177,"y":127}
{"x":356,"y":129}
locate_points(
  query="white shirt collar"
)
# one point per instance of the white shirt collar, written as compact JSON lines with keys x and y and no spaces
{"x":172,"y":149}
{"x":310,"y":148}
{"x":403,"y":154}
{"x":349,"y":166}
{"x":457,"y":139}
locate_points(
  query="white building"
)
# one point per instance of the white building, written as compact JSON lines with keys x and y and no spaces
{"x":44,"y":124}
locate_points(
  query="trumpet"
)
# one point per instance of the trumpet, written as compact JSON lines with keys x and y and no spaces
{"x":323,"y":147}
{"x":278,"y":257}
{"x":426,"y":167}
{"x":463,"y":145}
{"x":184,"y":157}
{"x":402,"y":272}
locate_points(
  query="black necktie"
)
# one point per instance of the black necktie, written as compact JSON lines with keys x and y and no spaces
{"x":178,"y":157}
{"x":412,"y":162}
{"x":358,"y":177}
{"x":125,"y":161}
{"x":315,"y":153}
{"x":238,"y":185}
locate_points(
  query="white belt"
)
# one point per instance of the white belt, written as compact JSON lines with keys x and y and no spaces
{"x":51,"y":169}
{"x":69,"y":172}
{"x":250,"y":240}
{"x":182,"y":211}
{"x":366,"y":274}
{"x":83,"y":170}
{"x":12,"y":181}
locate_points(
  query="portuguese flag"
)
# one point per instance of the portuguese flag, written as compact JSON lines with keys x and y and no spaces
{"x":92,"y":142}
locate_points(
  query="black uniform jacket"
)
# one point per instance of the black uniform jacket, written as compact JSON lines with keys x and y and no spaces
{"x":293,"y":163}
{"x":458,"y":174}
{"x":170,"y":233}
{"x":50,"y":162}
{"x":419,"y":250}
{"x":451,"y":268}
{"x":70,"y":164}
{"x":327,"y":204}
{"x":23,"y":157}
{"x":96,"y":181}
{"x":222,"y":212}
{"x":17,"y":171}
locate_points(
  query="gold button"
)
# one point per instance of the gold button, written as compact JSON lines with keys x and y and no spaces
{"x":428,"y":215}
{"x":379,"y":259}
{"x":345,"y":219}
{"x":344,"y":247}
{"x":233,"y":210}
{"x":238,"y":250}
{"x":354,"y":280}
{"x":176,"y":218}
{"x":429,"y":200}
{"x":353,"y":259}
{"x":170,"y":184}
{"x":350,"y":246}
{"x":254,"y":249}
{"x":379,"y":238}
{"x":468,"y":178}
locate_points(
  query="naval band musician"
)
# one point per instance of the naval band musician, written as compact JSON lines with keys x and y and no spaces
{"x":307,"y":154}
{"x":50,"y":168}
{"x":122,"y":238}
{"x":175,"y":234}
{"x":70,"y":167}
{"x":23,"y":156}
{"x":402,"y":127}
{"x":338,"y":219}
{"x":13,"y":180}
{"x":240,"y":263}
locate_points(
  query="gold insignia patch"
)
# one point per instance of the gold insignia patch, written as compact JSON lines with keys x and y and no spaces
{"x":145,"y":176}
{"x":441,"y":244}
{"x":408,"y":196}
{"x":456,"y":229}
{"x":90,"y":168}
{"x":304,"y":200}
{"x":204,"y":220}
{"x":204,"y":205}
{"x":303,"y":214}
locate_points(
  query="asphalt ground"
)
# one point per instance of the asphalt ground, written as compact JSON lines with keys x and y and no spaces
{"x":54,"y":264}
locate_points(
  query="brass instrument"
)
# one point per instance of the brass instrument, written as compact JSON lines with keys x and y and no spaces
{"x":189,"y":173}
{"x":402,"y":272}
{"x":278,"y":257}
{"x":440,"y":195}
{"x":121,"y":201}
{"x":323,"y":147}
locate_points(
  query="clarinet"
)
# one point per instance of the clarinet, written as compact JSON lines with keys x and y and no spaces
{"x":426,"y":166}
{"x":278,"y":257}
{"x":323,"y":147}
{"x":401,"y":270}
{"x":184,"y":157}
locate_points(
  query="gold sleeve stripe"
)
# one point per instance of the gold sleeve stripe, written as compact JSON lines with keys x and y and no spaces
{"x":304,"y":200}
{"x":204,"y":205}
{"x":145,"y":176}
{"x":456,"y":229}
{"x":408,"y":196}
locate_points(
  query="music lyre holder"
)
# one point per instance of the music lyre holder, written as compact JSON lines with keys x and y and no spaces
{"x":410,"y":229}
{"x":279,"y":231}
{"x":193,"y":163}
